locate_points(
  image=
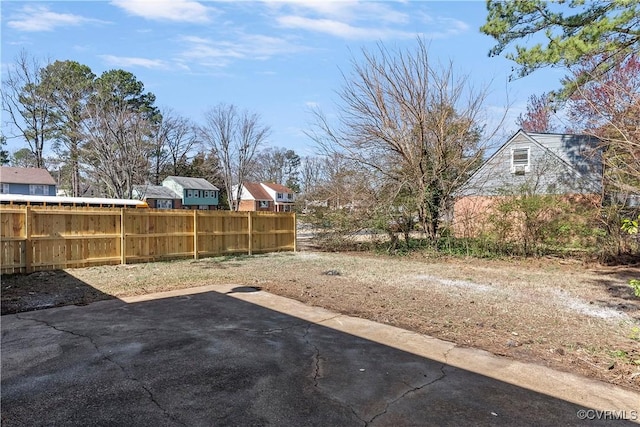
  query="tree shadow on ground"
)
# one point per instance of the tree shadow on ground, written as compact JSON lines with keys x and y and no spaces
{"x":615,"y":281}
{"x":45,"y":289}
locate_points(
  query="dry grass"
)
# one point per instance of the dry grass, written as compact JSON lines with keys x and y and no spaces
{"x":562,"y":314}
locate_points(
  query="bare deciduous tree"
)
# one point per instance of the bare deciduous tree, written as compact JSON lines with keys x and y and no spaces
{"x":174,"y":138}
{"x":235,"y":137}
{"x":27,"y":104}
{"x":413,"y":124}
{"x":117,"y":147}
{"x":310,"y":176}
{"x":119,"y":125}
{"x":277,"y":165}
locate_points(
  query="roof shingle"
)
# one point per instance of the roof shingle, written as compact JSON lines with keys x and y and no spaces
{"x":155,"y":192}
{"x":256,"y":190}
{"x":277,"y":187}
{"x":192,"y":183}
{"x":38,"y":176}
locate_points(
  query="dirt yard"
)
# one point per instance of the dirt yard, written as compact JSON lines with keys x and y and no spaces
{"x":564,"y":314}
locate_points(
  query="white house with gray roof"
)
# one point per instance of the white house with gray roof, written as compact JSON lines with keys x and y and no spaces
{"x":530,"y":163}
{"x":544,"y":163}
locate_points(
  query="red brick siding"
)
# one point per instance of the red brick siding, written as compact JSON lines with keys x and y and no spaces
{"x":254,"y":206}
{"x":471,"y":214}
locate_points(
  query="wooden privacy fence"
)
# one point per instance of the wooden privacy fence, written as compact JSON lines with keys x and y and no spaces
{"x":47,"y":238}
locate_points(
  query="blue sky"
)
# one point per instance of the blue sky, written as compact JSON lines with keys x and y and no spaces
{"x":275,"y":58}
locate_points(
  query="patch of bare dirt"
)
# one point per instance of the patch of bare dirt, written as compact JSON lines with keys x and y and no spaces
{"x":564,"y":314}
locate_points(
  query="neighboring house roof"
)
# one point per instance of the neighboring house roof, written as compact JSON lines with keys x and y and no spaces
{"x":579,"y":154}
{"x":277,"y":187}
{"x":256,"y":191}
{"x":11,"y":175}
{"x":192,"y":183}
{"x":90,"y":191}
{"x":155,"y":192}
{"x":579,"y":151}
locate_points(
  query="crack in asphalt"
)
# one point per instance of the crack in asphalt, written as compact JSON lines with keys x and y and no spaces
{"x":316,"y":355}
{"x":316,"y":370}
{"x":107,"y":357}
{"x":316,"y":376}
{"x":443,"y":374}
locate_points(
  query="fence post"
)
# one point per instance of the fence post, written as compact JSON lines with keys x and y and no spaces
{"x":123,"y":237}
{"x":295,"y":233}
{"x":250,"y":217}
{"x":28,"y":245}
{"x":195,"y":234}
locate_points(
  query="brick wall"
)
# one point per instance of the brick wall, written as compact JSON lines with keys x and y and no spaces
{"x":254,"y":206}
{"x":471,"y":214}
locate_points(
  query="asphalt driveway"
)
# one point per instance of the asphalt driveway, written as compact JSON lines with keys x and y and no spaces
{"x":220,"y":358}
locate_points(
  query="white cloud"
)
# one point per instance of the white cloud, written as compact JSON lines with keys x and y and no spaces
{"x":451,"y":26}
{"x":346,"y":11}
{"x":220,"y":53}
{"x":40,"y":18}
{"x":362,"y":20}
{"x":127,"y":61}
{"x":325,"y":8}
{"x":167,"y":10}
{"x":209,"y":53}
{"x":341,"y":29}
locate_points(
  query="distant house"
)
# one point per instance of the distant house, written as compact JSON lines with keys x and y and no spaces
{"x":281,"y":195}
{"x":31,"y":181}
{"x":158,"y":196}
{"x":265,"y":197}
{"x":254,"y":198}
{"x":91,"y":191}
{"x":195,"y":193}
{"x":538,"y":163}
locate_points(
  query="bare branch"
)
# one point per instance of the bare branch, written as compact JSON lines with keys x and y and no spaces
{"x":412,"y":126}
{"x":235,"y":137}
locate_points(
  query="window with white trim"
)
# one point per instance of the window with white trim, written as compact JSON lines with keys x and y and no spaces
{"x":164,"y":204}
{"x":264,"y":204}
{"x":38,"y":190}
{"x":520,"y":161}
{"x":4,"y":189}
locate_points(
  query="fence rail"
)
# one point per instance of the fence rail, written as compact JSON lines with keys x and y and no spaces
{"x":48,"y":238}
